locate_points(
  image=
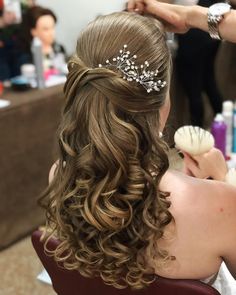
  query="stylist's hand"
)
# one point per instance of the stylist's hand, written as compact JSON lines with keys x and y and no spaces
{"x":211,"y":164}
{"x":136,"y":6}
{"x":175,"y":17}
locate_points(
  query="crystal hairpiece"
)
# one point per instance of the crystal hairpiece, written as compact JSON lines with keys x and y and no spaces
{"x":132,"y":72}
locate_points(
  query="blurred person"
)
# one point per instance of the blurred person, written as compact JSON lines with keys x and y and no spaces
{"x":10,"y":53}
{"x":195,"y":62}
{"x":40,"y":22}
{"x":117,"y":209}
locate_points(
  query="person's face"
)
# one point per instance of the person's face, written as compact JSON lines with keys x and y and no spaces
{"x":45,"y":29}
{"x":164,"y":112}
{"x":30,"y":2}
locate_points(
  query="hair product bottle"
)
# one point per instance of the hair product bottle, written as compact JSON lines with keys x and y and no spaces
{"x":234,"y":129}
{"x":37,"y":53}
{"x":227,"y":113}
{"x":1,"y":88}
{"x":218,"y":130}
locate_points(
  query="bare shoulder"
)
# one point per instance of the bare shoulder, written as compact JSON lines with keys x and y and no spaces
{"x":204,"y":214}
{"x":217,"y":195}
{"x":211,"y":203}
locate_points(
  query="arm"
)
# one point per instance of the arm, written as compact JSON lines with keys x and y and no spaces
{"x":197,"y":18}
{"x":180,"y":18}
{"x":211,"y":164}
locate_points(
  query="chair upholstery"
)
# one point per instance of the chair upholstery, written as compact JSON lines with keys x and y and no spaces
{"x":67,"y":282}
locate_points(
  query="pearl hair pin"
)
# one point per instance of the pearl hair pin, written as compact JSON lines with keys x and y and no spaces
{"x":131,"y":72}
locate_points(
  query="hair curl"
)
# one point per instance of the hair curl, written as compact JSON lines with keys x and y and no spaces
{"x":104,"y":203}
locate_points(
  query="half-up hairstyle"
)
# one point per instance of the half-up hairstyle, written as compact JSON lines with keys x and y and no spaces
{"x":104,"y":203}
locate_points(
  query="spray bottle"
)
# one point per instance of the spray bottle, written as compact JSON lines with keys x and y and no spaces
{"x":37,"y":53}
{"x":227,"y":113}
{"x":234,"y":129}
{"x":218,"y":130}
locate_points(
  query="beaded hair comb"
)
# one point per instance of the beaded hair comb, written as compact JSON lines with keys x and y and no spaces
{"x":131,"y":72}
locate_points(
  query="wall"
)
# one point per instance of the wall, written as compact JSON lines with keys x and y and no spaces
{"x":74,"y":15}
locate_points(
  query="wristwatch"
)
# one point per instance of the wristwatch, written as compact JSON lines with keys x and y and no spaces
{"x":215,"y":15}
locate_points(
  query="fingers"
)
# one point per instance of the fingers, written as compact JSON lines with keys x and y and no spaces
{"x":190,"y":159}
{"x":211,"y":164}
{"x":135,"y":6}
{"x":214,"y":162}
{"x":214,"y":155}
{"x":139,"y":7}
{"x":191,"y":167}
{"x":187,"y":171}
{"x":131,"y":5}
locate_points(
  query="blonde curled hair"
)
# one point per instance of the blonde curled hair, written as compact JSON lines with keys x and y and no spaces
{"x":104,"y":203}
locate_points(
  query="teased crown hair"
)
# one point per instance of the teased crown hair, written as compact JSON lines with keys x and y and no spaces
{"x":132,"y":72}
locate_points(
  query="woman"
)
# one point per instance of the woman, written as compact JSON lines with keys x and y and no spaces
{"x":118,"y":210}
{"x":40,"y":22}
{"x":11,"y":57}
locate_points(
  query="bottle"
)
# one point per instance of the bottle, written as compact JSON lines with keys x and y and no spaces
{"x":1,"y":88}
{"x":37,"y":53}
{"x":218,"y":130}
{"x":234,"y":129}
{"x":227,"y":113}
{"x":13,"y":7}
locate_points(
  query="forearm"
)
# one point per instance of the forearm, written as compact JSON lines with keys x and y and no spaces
{"x":181,"y":18}
{"x":197,"y":18}
{"x":227,"y":27}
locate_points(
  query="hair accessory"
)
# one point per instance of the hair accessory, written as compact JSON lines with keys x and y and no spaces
{"x":132,"y":72}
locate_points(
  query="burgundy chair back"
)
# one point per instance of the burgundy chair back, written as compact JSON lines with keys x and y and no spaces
{"x":67,"y":282}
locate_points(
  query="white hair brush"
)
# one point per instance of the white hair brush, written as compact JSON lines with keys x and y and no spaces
{"x":196,"y":141}
{"x":193,"y":140}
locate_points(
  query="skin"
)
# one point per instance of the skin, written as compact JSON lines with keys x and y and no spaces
{"x":202,"y":234}
{"x":204,"y":227}
{"x":180,"y":18}
{"x":204,"y":217}
{"x":45,"y":31}
{"x":211,"y":164}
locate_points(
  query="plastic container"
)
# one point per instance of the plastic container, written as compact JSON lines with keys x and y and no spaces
{"x":1,"y":88}
{"x":28,"y":71}
{"x":218,"y":130}
{"x":37,"y":53}
{"x":227,"y":113}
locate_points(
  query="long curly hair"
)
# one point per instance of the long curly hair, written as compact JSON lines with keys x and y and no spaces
{"x":104,"y":203}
